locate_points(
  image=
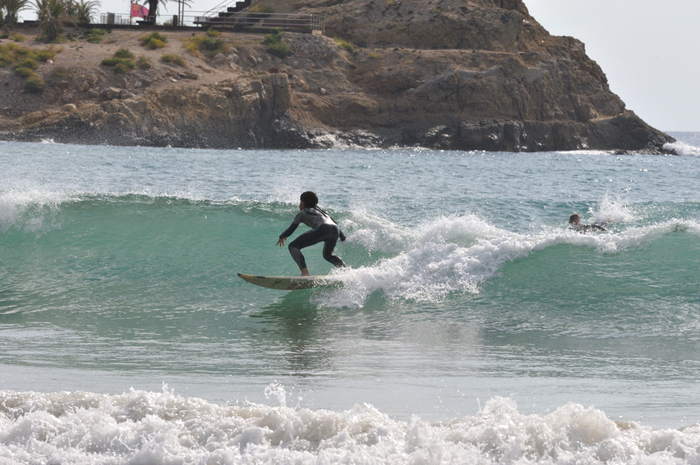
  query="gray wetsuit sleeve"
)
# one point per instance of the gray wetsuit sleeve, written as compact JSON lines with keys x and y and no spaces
{"x":292,"y":227}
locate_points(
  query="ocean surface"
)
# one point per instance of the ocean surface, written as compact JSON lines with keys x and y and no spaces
{"x":472,"y":327}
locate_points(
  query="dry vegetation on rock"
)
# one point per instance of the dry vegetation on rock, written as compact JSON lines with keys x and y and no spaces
{"x":454,"y":74}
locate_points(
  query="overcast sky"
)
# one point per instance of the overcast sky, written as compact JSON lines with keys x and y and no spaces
{"x":647,"y":48}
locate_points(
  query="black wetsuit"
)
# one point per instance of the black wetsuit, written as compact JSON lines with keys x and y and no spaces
{"x":323,"y":229}
{"x":588,"y":227}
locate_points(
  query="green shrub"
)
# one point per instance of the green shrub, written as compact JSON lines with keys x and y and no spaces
{"x":18,"y":38}
{"x":12,"y":54}
{"x":34,"y":84}
{"x":274,"y":37}
{"x":276,"y":46}
{"x":47,"y":54}
{"x":24,"y":72}
{"x":94,"y":36}
{"x":173,"y":59}
{"x":153,"y":40}
{"x":123,"y":53}
{"x":116,"y":61}
{"x":192,"y":45}
{"x":155,"y":43}
{"x":345,"y":45}
{"x":144,"y":63}
{"x":29,"y":63}
{"x":6,"y":58}
{"x":211,"y":32}
{"x":7,"y":54}
{"x":279,"y":49}
{"x":211,"y":45}
{"x":159,"y":36}
{"x":121,"y":61}
{"x":10,"y":47}
{"x":124,"y":67}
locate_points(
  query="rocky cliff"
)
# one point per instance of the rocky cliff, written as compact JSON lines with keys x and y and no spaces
{"x":448,"y":74}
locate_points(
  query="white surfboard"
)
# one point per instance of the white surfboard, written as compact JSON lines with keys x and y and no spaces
{"x":289,"y":283}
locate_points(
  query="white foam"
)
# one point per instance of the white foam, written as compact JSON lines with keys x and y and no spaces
{"x":449,"y":254}
{"x":376,"y":234}
{"x":682,"y":149}
{"x":33,"y":211}
{"x":159,"y":428}
{"x":613,"y":209}
{"x":459,"y":253}
{"x":438,"y":257}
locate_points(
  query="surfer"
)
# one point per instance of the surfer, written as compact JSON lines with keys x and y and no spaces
{"x":323,"y":229}
{"x":575,"y":222}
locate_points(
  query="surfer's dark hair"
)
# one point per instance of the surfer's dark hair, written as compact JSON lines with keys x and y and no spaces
{"x":310,"y":199}
{"x":575,"y":218}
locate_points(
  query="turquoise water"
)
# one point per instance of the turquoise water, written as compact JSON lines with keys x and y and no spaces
{"x":473,"y":327}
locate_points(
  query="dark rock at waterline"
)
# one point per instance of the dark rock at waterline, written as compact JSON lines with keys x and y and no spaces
{"x":477,"y":76}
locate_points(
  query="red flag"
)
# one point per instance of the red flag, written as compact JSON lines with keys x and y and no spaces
{"x":138,"y":11}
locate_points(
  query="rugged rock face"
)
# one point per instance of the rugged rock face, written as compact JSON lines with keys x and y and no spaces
{"x":230,"y":114}
{"x":449,"y":74}
{"x":482,"y":75}
{"x":421,"y":24}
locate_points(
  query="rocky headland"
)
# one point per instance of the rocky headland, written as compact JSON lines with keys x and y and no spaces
{"x":446,"y":74}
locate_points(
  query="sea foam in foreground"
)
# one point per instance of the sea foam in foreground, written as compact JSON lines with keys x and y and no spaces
{"x":140,"y":427}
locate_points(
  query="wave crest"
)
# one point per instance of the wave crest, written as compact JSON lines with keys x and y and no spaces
{"x":460,"y":253}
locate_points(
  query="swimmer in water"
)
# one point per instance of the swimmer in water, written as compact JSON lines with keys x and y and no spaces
{"x":323,"y":229}
{"x":575,"y":222}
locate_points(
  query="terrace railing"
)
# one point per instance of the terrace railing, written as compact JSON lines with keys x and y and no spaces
{"x":114,"y":19}
{"x":265,"y":22}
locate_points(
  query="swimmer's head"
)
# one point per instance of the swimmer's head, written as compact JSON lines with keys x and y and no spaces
{"x":310,"y":199}
{"x":574,"y":219}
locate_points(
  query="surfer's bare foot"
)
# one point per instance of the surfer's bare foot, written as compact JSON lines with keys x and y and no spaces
{"x":305,"y":272}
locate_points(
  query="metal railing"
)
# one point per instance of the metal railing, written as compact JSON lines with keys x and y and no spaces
{"x":249,"y":21}
{"x":113,"y":18}
{"x":241,"y":21}
{"x":124,"y":19}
